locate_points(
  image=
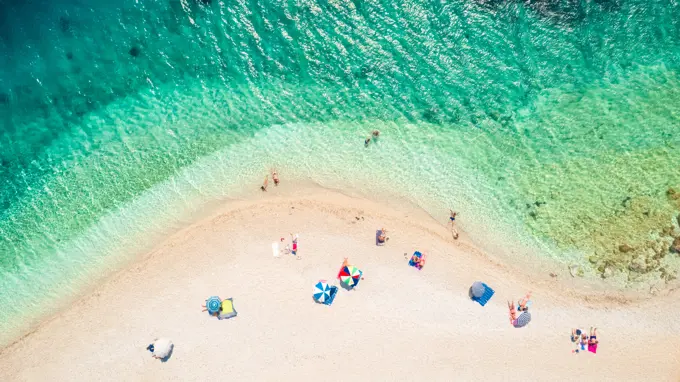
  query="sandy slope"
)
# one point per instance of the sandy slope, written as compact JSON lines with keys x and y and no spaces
{"x":400,"y":323}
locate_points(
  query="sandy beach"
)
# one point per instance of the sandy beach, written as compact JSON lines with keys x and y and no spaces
{"x":398,"y":324}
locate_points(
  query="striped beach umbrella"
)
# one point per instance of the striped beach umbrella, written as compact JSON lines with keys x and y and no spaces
{"x":322,"y":292}
{"x":522,"y":320}
{"x":213,"y":304}
{"x":350,"y":275}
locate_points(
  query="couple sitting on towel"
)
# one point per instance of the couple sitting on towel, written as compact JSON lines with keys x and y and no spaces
{"x":523,"y":306}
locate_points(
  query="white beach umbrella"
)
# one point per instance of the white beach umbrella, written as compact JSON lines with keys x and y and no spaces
{"x":477,"y":289}
{"x":162,"y":347}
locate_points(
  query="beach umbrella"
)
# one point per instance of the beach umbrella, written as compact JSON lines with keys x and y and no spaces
{"x":322,"y":292}
{"x":522,"y":320}
{"x":477,"y":289}
{"x":350,"y":275}
{"x":213,"y":304}
{"x":162,"y":348}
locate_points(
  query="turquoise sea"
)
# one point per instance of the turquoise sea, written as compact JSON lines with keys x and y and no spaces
{"x":554,"y":124}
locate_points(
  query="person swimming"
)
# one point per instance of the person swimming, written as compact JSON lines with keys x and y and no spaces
{"x":367,"y":141}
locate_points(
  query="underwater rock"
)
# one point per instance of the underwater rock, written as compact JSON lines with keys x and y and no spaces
{"x":638,"y":265}
{"x":675,"y":247}
{"x":4,"y":98}
{"x":69,"y":56}
{"x":135,"y":51}
{"x":625,"y":248}
{"x":608,"y":272}
{"x":672,"y":194}
{"x":575,"y":270}
{"x":64,"y":24}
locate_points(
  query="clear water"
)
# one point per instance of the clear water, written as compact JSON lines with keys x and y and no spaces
{"x":553,"y":124}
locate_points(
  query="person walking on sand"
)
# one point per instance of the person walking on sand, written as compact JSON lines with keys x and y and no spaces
{"x":265,"y":184}
{"x":452,"y":220}
{"x":275,"y":176}
{"x":294,"y":239}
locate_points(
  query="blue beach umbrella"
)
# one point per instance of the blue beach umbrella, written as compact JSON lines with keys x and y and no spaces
{"x":213,"y":304}
{"x":322,"y":292}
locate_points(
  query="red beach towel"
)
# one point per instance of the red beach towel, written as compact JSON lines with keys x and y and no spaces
{"x":592,"y":348}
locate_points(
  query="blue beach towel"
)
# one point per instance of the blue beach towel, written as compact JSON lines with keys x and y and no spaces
{"x":488,"y":292}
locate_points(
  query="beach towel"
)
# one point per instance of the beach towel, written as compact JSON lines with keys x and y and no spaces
{"x":228,"y":310}
{"x":486,"y":296}
{"x":592,"y":348}
{"x":377,"y":240}
{"x":417,"y":260}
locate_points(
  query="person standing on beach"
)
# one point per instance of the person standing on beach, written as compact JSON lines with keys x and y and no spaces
{"x":452,"y":220}
{"x":265,"y":184}
{"x":275,"y":176}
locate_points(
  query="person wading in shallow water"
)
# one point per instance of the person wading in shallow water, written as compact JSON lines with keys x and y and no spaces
{"x":452,"y":220}
{"x":265,"y":184}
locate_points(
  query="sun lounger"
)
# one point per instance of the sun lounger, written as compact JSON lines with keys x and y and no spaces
{"x":228,"y":310}
{"x":486,"y":296}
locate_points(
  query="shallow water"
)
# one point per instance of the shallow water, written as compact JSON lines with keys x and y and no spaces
{"x":555,"y":125}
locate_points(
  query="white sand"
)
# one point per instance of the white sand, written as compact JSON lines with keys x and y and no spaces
{"x":400,"y":323}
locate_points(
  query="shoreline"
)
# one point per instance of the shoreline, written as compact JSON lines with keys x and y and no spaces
{"x":456,"y":263}
{"x":533,"y":267}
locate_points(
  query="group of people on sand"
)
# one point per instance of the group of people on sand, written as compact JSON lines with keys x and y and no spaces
{"x":275,"y":177}
{"x":521,"y":320}
{"x":581,"y":339}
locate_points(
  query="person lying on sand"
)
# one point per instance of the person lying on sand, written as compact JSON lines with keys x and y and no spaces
{"x":513,"y":311}
{"x":575,"y":334}
{"x":265,"y":184}
{"x":382,"y":237}
{"x":275,"y":176}
{"x":524,"y":302}
{"x":452,"y":220}
{"x":592,"y":342}
{"x":584,"y":341}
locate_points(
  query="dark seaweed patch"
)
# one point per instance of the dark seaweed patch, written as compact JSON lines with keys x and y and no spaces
{"x":64,"y":24}
{"x":135,"y":51}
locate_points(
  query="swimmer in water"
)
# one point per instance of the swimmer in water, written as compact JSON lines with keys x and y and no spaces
{"x":265,"y":184}
{"x":376,"y":133}
{"x":367,"y":141}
